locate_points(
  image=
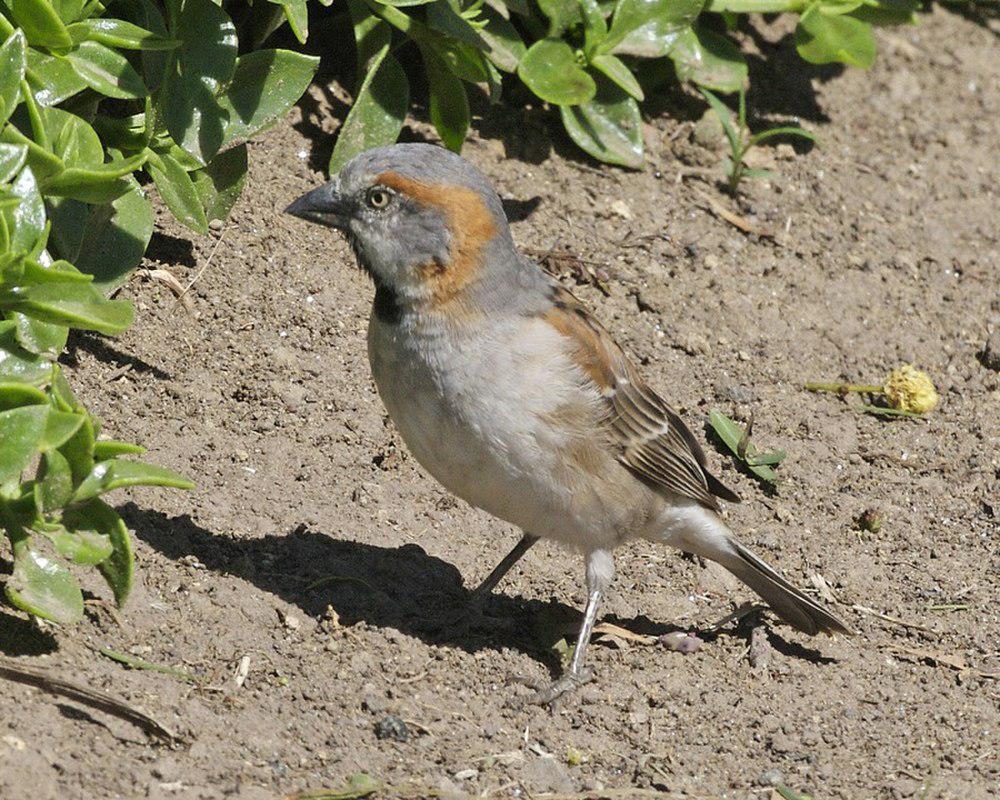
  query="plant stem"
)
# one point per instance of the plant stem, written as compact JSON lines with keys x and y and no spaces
{"x":842,"y":388}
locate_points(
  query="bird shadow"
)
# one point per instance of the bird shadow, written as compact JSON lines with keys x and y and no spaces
{"x":403,"y":588}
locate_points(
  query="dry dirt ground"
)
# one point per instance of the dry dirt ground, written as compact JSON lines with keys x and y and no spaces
{"x":318,"y":554}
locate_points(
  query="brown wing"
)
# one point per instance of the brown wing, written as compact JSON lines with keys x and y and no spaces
{"x":655,"y":443}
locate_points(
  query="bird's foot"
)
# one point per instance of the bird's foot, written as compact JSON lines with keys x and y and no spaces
{"x":550,"y":693}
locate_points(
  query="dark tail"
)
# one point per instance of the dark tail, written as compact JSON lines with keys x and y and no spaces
{"x":797,"y":609}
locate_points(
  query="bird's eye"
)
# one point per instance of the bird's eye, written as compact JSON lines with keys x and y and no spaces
{"x":378,"y":198}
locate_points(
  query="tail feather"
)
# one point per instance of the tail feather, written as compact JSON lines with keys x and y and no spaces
{"x":792,"y":605}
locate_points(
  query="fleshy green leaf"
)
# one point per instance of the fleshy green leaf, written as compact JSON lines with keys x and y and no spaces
{"x":12,"y":62}
{"x":449,"y":105}
{"x":115,"y":473}
{"x":98,"y":516}
{"x":378,"y":112}
{"x":12,"y":158}
{"x":649,"y":28}
{"x":21,"y":429}
{"x":85,"y":547}
{"x":550,"y":69}
{"x":297,"y":14}
{"x":100,"y":184}
{"x":608,"y":127}
{"x":54,"y":486}
{"x":27,"y":220}
{"x":41,"y":338}
{"x":118,"y":33}
{"x":562,"y":15}
{"x":52,"y":78}
{"x":709,"y":59}
{"x":40,"y":22}
{"x":111,"y":448}
{"x":42,"y":586}
{"x":15,"y":395}
{"x":79,"y":449}
{"x":731,"y":435}
{"x":265,"y":86}
{"x":17,"y":363}
{"x":105,"y":241}
{"x":220,"y":183}
{"x":822,"y":38}
{"x":177,"y":190}
{"x":107,"y":71}
{"x":506,"y":49}
{"x":78,"y":305}
{"x":615,"y":69}
{"x":200,"y":68}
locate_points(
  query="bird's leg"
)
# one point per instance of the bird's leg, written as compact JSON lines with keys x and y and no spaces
{"x":600,"y":570}
{"x":482,"y":591}
{"x":471,"y":615}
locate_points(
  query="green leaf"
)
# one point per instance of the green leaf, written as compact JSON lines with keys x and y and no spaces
{"x":297,"y":14}
{"x":77,"y":305}
{"x":114,"y":474}
{"x":100,"y":184}
{"x":725,"y":117}
{"x":12,"y":158}
{"x":107,"y":71}
{"x":119,"y":33}
{"x":199,"y":71}
{"x":506,"y":49}
{"x":177,"y":190}
{"x":40,"y":338}
{"x":40,"y":22}
{"x":12,"y":63}
{"x":52,"y":78}
{"x":595,"y":29}
{"x":731,"y":435}
{"x":110,"y":448}
{"x":551,"y":71}
{"x":73,"y":140}
{"x":709,"y":59}
{"x":449,"y":105}
{"x":562,"y":15}
{"x":54,"y":486}
{"x":97,"y":516}
{"x":615,"y":69}
{"x":784,"y":130}
{"x":609,"y":127}
{"x":60,"y":427}
{"x":823,"y":38}
{"x":21,"y":429}
{"x":27,"y":220}
{"x":84,"y":547}
{"x":378,"y":112}
{"x":15,"y":395}
{"x":105,"y":241}
{"x":888,"y":12}
{"x":79,"y":448}
{"x":42,"y":586}
{"x":17,"y":363}
{"x":266,"y":84}
{"x":649,"y":28}
{"x":220,"y":183}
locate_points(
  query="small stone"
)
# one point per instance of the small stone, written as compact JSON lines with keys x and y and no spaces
{"x":769,"y":778}
{"x":215,"y":225}
{"x":392,"y":727}
{"x":708,"y":131}
{"x":711,"y":262}
{"x":620,"y":207}
{"x":991,"y":352}
{"x":292,"y":623}
{"x":545,"y":774}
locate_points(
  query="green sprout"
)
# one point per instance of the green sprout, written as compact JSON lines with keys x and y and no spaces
{"x":737,"y":439}
{"x":741,"y":140}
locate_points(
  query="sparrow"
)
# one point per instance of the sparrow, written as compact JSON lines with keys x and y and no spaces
{"x":508,"y":391}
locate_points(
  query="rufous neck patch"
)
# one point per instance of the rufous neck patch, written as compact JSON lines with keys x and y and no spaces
{"x":469,"y":222}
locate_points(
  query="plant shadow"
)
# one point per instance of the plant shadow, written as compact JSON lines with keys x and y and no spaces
{"x":21,"y":637}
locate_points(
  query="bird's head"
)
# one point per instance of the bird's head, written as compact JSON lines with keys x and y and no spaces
{"x":422,"y":221}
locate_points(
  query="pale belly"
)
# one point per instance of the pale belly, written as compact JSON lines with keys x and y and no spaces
{"x":478,"y":417}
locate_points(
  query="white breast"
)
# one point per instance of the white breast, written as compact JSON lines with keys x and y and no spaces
{"x":481,"y":414}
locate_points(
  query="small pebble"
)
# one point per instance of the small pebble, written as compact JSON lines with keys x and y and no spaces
{"x":392,"y":727}
{"x":681,"y":642}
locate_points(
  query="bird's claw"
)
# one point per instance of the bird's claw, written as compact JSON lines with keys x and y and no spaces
{"x":550,"y":693}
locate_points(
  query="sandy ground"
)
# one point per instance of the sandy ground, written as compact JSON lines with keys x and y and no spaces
{"x":315,"y":551}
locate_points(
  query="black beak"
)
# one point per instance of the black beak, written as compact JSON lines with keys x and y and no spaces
{"x":324,"y":205}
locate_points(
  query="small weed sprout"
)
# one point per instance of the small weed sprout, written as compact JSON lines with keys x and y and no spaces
{"x":741,"y":140}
